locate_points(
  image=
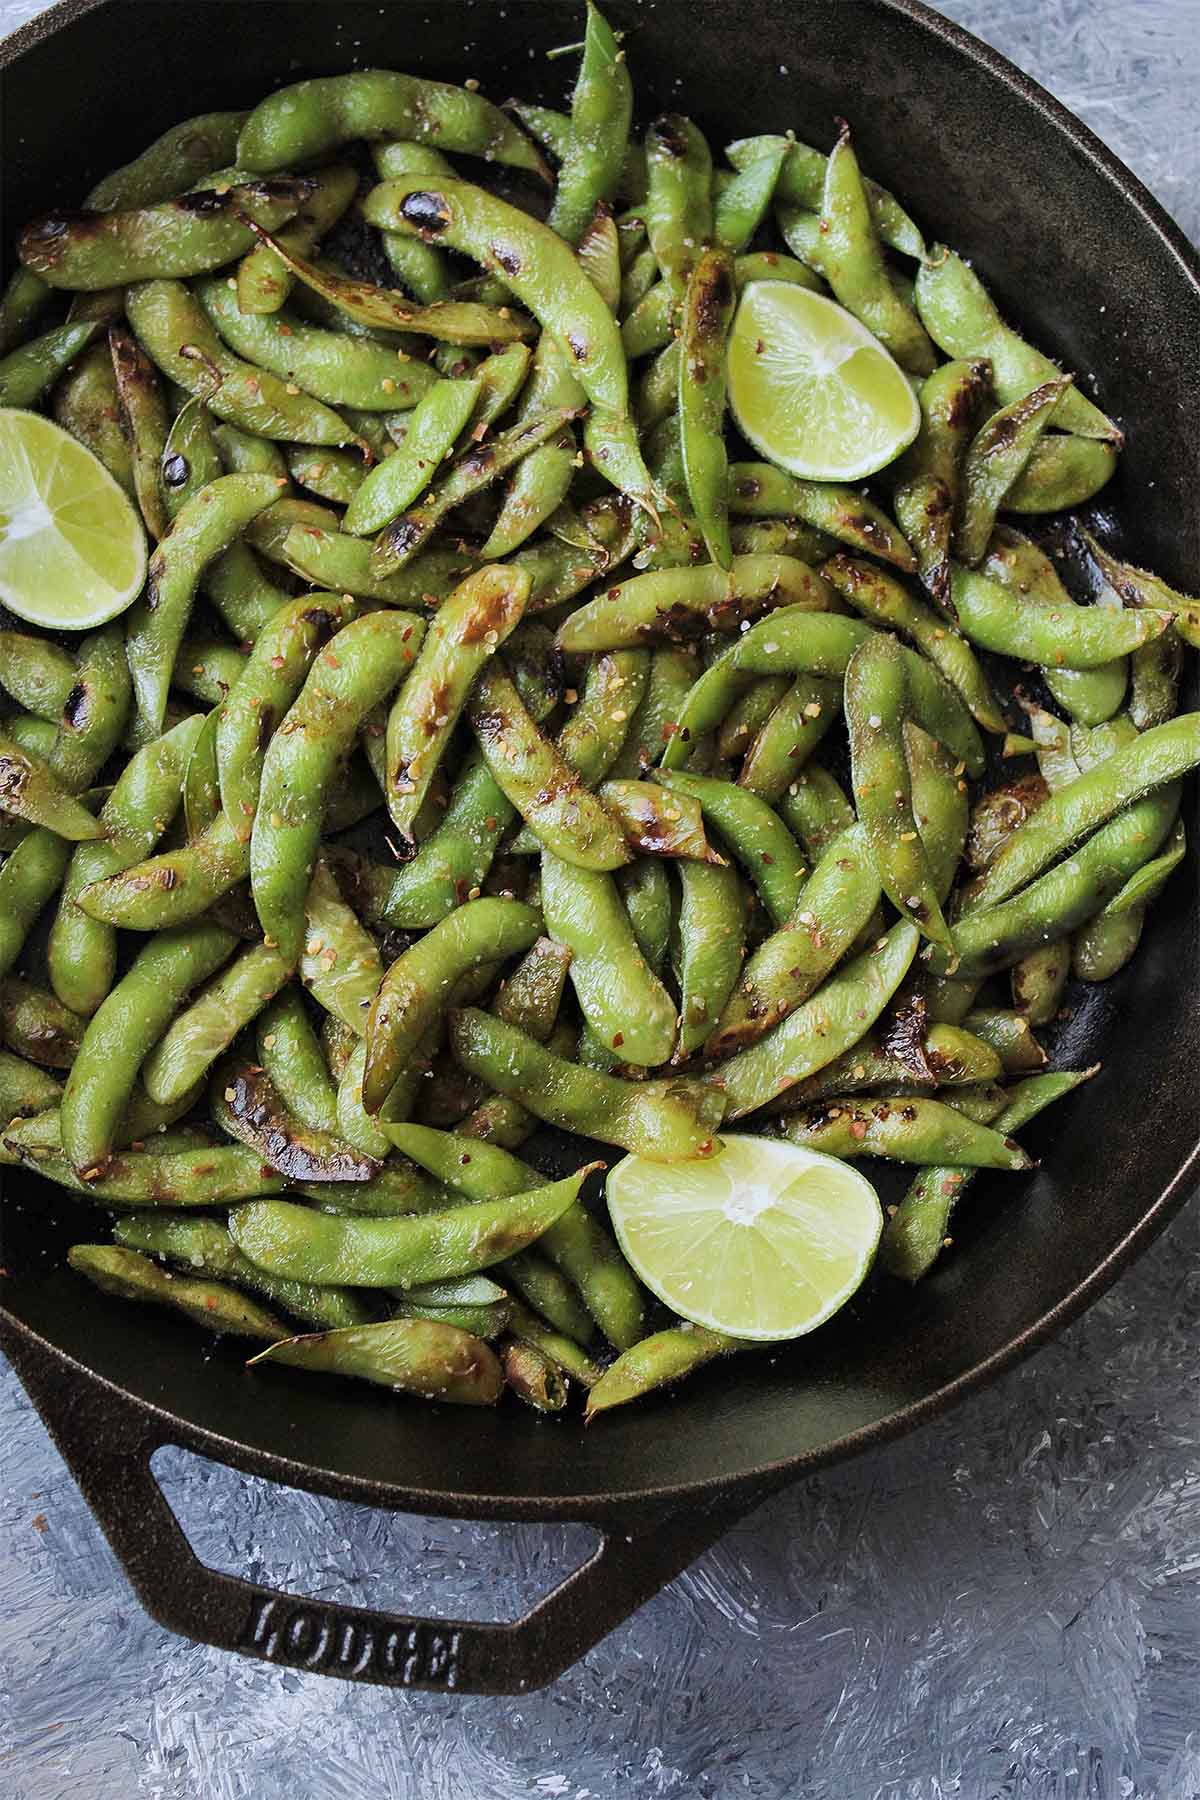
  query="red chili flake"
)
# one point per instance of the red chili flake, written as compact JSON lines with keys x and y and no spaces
{"x":618,"y":1039}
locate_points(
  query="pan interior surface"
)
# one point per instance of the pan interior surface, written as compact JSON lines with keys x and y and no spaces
{"x":1075,"y":253}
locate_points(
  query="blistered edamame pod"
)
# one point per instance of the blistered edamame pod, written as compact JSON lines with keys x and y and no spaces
{"x":620,"y":997}
{"x":400,"y":1252}
{"x":342,"y":564}
{"x":1015,"y":562}
{"x":680,"y":604}
{"x":538,"y":782}
{"x":1152,"y":761}
{"x":1138,"y":587}
{"x":204,"y":1245}
{"x":536,"y":488}
{"x":373,"y":654}
{"x":340,"y":964}
{"x":31,"y":875}
{"x":851,"y":261}
{"x":144,"y":413}
{"x":1010,"y":1035}
{"x":601,"y":113}
{"x":657,"y":823}
{"x":995,"y":460}
{"x":756,"y":835}
{"x":709,"y":938}
{"x":455,"y":859}
{"x":929,"y":474}
{"x":707,"y":312}
{"x":940,"y":805}
{"x":172,"y":888}
{"x":961,"y":318}
{"x":1038,"y":981}
{"x":96,"y":710}
{"x":908,"y":1129}
{"x":671,"y":675}
{"x":678,"y":209}
{"x":945,"y":1058}
{"x":29,"y":791}
{"x":201,"y":531}
{"x":26,"y":373}
{"x":207,"y":669}
{"x":37,"y":673}
{"x":997,"y":935}
{"x":789,"y":735}
{"x":1064,"y":471}
{"x":207,"y":1027}
{"x":328,"y":365}
{"x":833,"y":1019}
{"x":663,"y":1120}
{"x":414,"y":989}
{"x":544,"y":274}
{"x":130,"y":1276}
{"x":421,"y":1356}
{"x":81,"y":952}
{"x":247,"y":1106}
{"x":270,"y":680}
{"x":124,"y":1029}
{"x":596,"y":729}
{"x":263,"y":281}
{"x":172,"y":238}
{"x":24,"y":299}
{"x":298,"y":124}
{"x":760,"y":491}
{"x":463,"y":636}
{"x":802,"y":180}
{"x":85,"y":403}
{"x":175,"y":330}
{"x":434,"y":425}
{"x":834,"y":905}
{"x":1070,"y":636}
{"x":173,"y":163}
{"x":36,"y":1024}
{"x":916,"y":1232}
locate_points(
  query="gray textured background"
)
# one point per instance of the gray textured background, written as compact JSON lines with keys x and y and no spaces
{"x":1006,"y":1605}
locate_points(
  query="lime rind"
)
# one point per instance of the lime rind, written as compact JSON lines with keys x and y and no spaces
{"x":764,"y":1242}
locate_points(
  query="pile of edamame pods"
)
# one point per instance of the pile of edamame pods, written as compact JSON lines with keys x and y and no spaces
{"x":497,"y":743}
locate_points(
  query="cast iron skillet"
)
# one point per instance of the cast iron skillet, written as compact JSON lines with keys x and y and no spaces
{"x":1073,"y":246}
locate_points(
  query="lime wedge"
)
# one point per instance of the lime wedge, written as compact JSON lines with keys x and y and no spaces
{"x":765,"y":1241}
{"x":72,"y":549}
{"x":812,"y":390}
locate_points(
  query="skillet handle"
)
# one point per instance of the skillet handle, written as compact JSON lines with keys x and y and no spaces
{"x":107,"y":1444}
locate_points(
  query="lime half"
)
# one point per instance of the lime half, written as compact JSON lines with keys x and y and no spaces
{"x":764,"y":1241}
{"x":812,"y":389}
{"x":72,"y":549}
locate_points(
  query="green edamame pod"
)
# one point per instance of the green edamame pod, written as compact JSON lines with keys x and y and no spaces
{"x":678,"y":208}
{"x":124,"y":1029}
{"x":205,"y":1245}
{"x":962,"y":320}
{"x":24,"y":299}
{"x":342,"y":564}
{"x":290,"y":1053}
{"x":618,"y":994}
{"x":173,"y":163}
{"x":1067,"y":636}
{"x":1138,"y":587}
{"x":707,"y":312}
{"x":680,"y":604}
{"x":84,"y":402}
{"x":537,"y":780}
{"x":207,"y":668}
{"x":1103,"y":946}
{"x":1014,"y":562}
{"x":270,"y":680}
{"x":402,"y":1252}
{"x":207,"y":1027}
{"x":645,"y":889}
{"x":834,"y":904}
{"x":95,"y":713}
{"x":947,"y":1057}
{"x":174,"y":329}
{"x":939,"y":804}
{"x":710,"y":940}
{"x":373,"y":654}
{"x":31,"y":875}
{"x":537,"y":487}
{"x":1038,"y":981}
{"x":354,"y":1122}
{"x":81,"y":953}
{"x":456,"y":857}
{"x":662,"y":1120}
{"x":1063,"y":471}
{"x":421,"y":1356}
{"x":340,"y":963}
{"x":263,"y":280}
{"x":601,"y":113}
{"x":1146,"y":883}
{"x":329,"y":365}
{"x":802,"y":180}
{"x":205,"y":527}
{"x":436,"y":422}
{"x":130,"y":1276}
{"x":461,"y":639}
{"x":833,"y":1019}
{"x":413,"y":992}
{"x":336,"y":475}
{"x":1154,"y":676}
{"x":916,"y":1232}
{"x":144,"y":413}
{"x":656,"y":1362}
{"x":26,"y":373}
{"x":815,"y":809}
{"x":300,"y":123}
{"x":758,"y":838}
{"x":37,"y":1025}
{"x":749,"y":713}
{"x":910,"y":1129}
{"x":1009,"y":1034}
{"x":758,"y":490}
{"x":789,"y":735}
{"x":742,"y":205}
{"x":927,"y":494}
{"x":533,"y":1377}
{"x":29,"y":791}
{"x":36,"y":673}
{"x":995,"y":459}
{"x":171,"y":238}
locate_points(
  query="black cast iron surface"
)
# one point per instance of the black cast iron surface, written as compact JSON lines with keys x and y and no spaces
{"x":1074,"y":248}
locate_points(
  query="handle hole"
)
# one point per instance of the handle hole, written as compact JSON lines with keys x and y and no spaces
{"x":338,"y":1551}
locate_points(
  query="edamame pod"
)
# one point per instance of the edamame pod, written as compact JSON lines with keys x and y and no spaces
{"x":437,"y":419}
{"x":425,"y":1357}
{"x":996,"y":457}
{"x":29,"y":791}
{"x":130,"y":1276}
{"x":618,"y":994}
{"x":601,"y":112}
{"x":707,"y":313}
{"x":930,"y":471}
{"x":1070,"y":636}
{"x":759,"y":491}
{"x":909,"y":1129}
{"x":681,"y":604}
{"x":247,"y":1106}
{"x":263,"y":279}
{"x":756,"y":835}
{"x":207,"y":1027}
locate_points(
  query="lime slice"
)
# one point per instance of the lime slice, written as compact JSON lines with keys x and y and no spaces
{"x":72,"y":549}
{"x":812,"y":390}
{"x":764,"y":1241}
